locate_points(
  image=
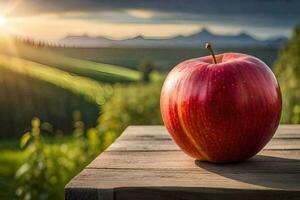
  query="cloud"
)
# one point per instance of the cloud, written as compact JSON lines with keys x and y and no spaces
{"x":229,"y":7}
{"x":261,"y":17}
{"x":145,"y":14}
{"x":279,"y":13}
{"x":42,"y":28}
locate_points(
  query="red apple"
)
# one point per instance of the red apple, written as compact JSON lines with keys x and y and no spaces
{"x":221,"y":111}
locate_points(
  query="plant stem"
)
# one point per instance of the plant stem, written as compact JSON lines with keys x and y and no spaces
{"x":210,"y":49}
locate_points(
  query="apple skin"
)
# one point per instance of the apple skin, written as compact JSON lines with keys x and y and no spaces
{"x":222,"y":112}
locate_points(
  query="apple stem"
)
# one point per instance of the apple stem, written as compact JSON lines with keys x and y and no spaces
{"x":210,"y":49}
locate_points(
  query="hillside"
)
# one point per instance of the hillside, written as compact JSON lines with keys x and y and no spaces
{"x":30,"y":89}
{"x":97,"y":71}
{"x":163,"y":58}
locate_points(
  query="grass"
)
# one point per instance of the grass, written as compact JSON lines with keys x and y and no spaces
{"x":30,"y":89}
{"x":92,"y":89}
{"x":46,"y":89}
{"x":12,"y":157}
{"x":163,"y":58}
{"x":10,"y":160}
{"x":97,"y":71}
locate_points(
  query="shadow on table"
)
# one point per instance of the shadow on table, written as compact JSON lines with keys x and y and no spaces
{"x":267,"y":171}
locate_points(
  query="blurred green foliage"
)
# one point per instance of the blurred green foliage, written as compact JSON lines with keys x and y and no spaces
{"x":135,"y":104}
{"x":29,"y":88}
{"x":33,"y":175}
{"x":47,"y":169}
{"x":64,"y":160}
{"x":146,"y":67}
{"x":287,"y":70}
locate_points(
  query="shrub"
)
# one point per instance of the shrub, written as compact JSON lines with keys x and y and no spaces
{"x":33,"y":175}
{"x":47,"y":168}
{"x":146,"y":67}
{"x":287,"y":70}
{"x":136,"y":104}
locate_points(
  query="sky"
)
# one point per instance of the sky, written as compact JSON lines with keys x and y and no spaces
{"x":54,"y":19}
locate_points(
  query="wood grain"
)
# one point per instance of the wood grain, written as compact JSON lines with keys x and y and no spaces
{"x":285,"y":160}
{"x":168,"y":145}
{"x":144,"y":163}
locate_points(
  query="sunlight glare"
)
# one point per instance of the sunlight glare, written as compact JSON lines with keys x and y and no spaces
{"x":2,"y":21}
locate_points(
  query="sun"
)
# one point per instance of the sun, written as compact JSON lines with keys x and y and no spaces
{"x":2,"y":21}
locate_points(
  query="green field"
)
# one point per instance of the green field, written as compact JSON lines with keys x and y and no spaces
{"x":10,"y":160}
{"x":30,"y":89}
{"x":164,"y":59}
{"x":36,"y":82}
{"x":77,"y":66}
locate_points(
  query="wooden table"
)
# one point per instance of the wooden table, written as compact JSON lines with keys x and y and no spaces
{"x":144,"y":163}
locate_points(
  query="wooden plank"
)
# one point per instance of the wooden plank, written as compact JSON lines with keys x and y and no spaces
{"x":284,"y":160}
{"x":288,"y":144}
{"x":144,"y":163}
{"x":160,"y":132}
{"x":118,"y":178}
{"x":136,"y":138}
{"x":159,"y":128}
{"x":168,"y":145}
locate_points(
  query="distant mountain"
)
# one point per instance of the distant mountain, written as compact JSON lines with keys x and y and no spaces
{"x":86,"y":41}
{"x":193,"y":40}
